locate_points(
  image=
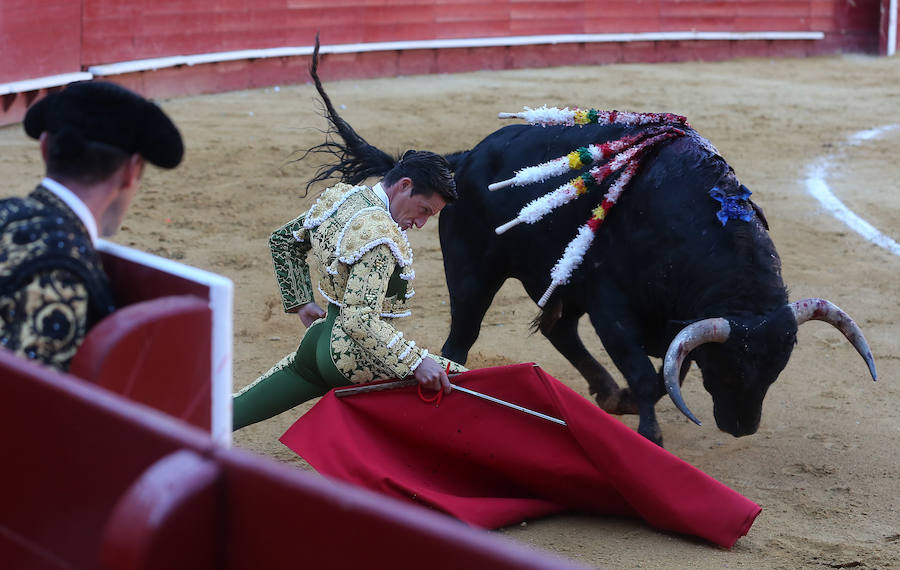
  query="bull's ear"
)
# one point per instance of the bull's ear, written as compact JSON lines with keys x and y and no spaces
{"x":760,"y":214}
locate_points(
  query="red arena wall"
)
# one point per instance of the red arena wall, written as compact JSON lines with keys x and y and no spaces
{"x":171,"y":47}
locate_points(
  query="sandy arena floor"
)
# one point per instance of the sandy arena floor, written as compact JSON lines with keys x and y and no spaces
{"x":824,"y":464}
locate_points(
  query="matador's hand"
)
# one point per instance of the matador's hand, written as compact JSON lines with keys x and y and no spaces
{"x":430,"y":375}
{"x":309,"y":313}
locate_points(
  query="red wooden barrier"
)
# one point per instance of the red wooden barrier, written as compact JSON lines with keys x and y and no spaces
{"x":95,"y":481}
{"x":135,"y":280}
{"x":70,"y":450}
{"x":156,"y":352}
{"x":174,"y":498}
{"x":278,"y":519}
{"x":169,"y":344}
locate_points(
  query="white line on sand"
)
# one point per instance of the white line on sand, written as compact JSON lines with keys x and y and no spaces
{"x":816,"y":184}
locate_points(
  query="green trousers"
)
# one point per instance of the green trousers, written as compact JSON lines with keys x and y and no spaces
{"x":311,"y":374}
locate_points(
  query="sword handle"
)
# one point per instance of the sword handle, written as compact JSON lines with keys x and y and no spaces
{"x":343,"y":392}
{"x":353,"y":390}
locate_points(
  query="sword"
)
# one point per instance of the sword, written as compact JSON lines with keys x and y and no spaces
{"x":343,"y":392}
{"x":508,"y":404}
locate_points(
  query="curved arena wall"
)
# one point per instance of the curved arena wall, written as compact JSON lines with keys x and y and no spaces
{"x":173,"y":47}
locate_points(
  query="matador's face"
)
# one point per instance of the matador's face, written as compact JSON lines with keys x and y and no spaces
{"x":413,"y":210}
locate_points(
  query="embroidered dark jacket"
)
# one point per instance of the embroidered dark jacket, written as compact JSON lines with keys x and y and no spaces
{"x":52,"y":284}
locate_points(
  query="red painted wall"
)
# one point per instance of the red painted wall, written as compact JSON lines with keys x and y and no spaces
{"x":119,"y":31}
{"x":27,"y":50}
{"x":56,"y":36}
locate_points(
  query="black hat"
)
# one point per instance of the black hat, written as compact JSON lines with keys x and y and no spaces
{"x":107,"y":113}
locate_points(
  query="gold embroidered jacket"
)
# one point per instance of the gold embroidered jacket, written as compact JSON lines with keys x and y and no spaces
{"x":52,"y":285}
{"x":366,"y":268}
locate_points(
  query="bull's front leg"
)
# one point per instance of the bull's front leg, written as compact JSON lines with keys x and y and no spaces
{"x":617,"y":330}
{"x":642,"y":382}
{"x":474,"y":269}
{"x":471,"y":292}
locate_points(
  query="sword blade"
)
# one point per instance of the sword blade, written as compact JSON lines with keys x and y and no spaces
{"x":343,"y":392}
{"x":509,"y":405}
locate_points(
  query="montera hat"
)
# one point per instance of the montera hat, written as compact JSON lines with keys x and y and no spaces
{"x":103,"y":112}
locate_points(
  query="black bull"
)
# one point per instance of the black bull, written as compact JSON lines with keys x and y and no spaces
{"x":663,"y":277}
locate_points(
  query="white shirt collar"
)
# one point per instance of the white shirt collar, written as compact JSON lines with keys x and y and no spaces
{"x":74,"y":202}
{"x":383,"y":195}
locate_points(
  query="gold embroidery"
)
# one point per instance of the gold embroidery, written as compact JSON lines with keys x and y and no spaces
{"x":352,"y":236}
{"x":57,"y":303}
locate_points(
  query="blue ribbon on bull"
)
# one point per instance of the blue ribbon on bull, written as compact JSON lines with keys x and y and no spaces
{"x":734,"y":207}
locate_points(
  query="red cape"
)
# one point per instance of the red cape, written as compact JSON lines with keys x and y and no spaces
{"x":492,"y":466}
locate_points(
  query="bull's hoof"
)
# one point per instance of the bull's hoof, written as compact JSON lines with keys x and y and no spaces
{"x":653,"y":434}
{"x":619,"y":403}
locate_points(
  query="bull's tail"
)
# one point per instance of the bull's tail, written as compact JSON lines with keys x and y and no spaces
{"x":356,"y":159}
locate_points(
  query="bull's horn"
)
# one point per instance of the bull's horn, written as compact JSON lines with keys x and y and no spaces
{"x":690,"y":337}
{"x":822,"y":310}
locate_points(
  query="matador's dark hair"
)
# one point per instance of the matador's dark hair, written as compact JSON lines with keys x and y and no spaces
{"x":428,"y":171}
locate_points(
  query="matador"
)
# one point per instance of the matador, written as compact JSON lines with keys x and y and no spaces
{"x":356,"y":237}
